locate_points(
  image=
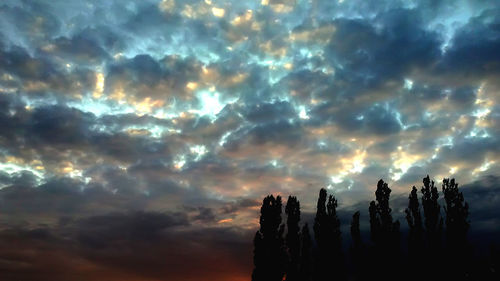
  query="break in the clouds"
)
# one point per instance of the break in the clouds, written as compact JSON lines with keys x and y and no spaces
{"x":193,"y":110}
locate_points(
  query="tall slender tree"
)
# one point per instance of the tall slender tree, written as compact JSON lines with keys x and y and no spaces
{"x":292,"y":210}
{"x":384,"y":231}
{"x":457,"y":212}
{"x":329,"y":262}
{"x":278,"y":259}
{"x":432,"y":213}
{"x":415,"y":236}
{"x":433,"y":223}
{"x":305,"y":255}
{"x":269,"y":252}
{"x":358,"y":250}
{"x":414,"y":219}
{"x":384,"y":234}
{"x":458,"y":255}
{"x":357,"y":243}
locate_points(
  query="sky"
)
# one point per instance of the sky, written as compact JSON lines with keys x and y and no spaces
{"x":138,"y":138}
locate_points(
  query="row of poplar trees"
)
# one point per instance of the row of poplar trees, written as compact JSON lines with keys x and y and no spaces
{"x":286,"y":251}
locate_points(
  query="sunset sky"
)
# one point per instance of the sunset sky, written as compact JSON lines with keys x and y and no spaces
{"x":137,"y":138}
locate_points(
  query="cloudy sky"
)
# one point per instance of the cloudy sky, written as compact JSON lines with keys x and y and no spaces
{"x":138,"y":137}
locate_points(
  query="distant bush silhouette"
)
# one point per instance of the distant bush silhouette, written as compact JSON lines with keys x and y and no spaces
{"x":297,"y":258}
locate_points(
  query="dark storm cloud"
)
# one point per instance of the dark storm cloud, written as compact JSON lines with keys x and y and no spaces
{"x":23,"y":178}
{"x":45,"y":128}
{"x":99,"y":231}
{"x":412,"y":176}
{"x":138,"y":24}
{"x":307,"y":84}
{"x":240,"y":204}
{"x":141,"y":70}
{"x":117,"y":122}
{"x":165,"y":26}
{"x":25,"y":24}
{"x":469,"y":151}
{"x":128,"y":149}
{"x":464,"y":96}
{"x":482,"y":196}
{"x":269,"y":112}
{"x":18,"y":62}
{"x":60,"y":125}
{"x":280,"y":132}
{"x":24,"y":200}
{"x":373,"y":56}
{"x":80,"y":49}
{"x":472,"y":51}
{"x":427,"y":93}
{"x":59,"y":196}
{"x":377,"y":119}
{"x":40,"y":75}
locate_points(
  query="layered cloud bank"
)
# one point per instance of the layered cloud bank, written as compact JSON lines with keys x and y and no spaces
{"x":183,"y":114}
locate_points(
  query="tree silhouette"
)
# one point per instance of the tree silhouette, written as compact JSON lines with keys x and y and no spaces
{"x":384,"y":234}
{"x":278,"y":259}
{"x":433,"y":222}
{"x":269,"y":253}
{"x":305,"y":255}
{"x":415,"y":236}
{"x":292,"y":210}
{"x":458,"y":255}
{"x":414,"y":219}
{"x":384,"y":231}
{"x":457,"y":211}
{"x":357,"y":243}
{"x":358,"y":249}
{"x":433,"y":219}
{"x":329,"y":263}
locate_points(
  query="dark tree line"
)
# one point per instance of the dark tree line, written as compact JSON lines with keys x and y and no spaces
{"x":269,"y":253}
{"x":286,"y":251}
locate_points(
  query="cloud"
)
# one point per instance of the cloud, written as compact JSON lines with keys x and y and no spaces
{"x":125,"y":246}
{"x":79,"y":49}
{"x":472,"y":47}
{"x":120,"y":113}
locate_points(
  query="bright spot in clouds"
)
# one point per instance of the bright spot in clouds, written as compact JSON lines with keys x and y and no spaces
{"x":99,"y":85}
{"x":179,"y":162}
{"x":198,"y":151}
{"x":218,"y":12}
{"x":303,"y":113}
